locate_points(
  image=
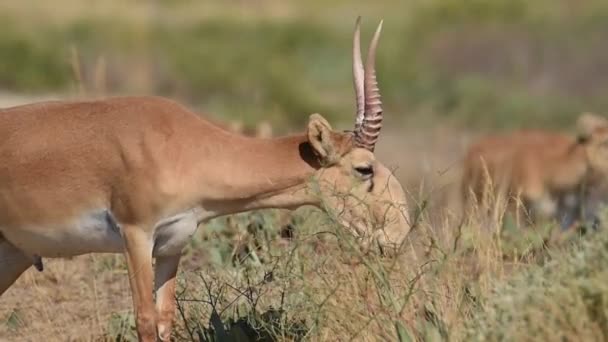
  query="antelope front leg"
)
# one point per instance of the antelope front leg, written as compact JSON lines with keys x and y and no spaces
{"x":165,"y":277}
{"x":138,"y":253}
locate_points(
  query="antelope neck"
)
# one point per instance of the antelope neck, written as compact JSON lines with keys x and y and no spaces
{"x":234,"y":173}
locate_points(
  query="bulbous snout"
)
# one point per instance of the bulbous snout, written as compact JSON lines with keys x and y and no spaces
{"x":391,"y":229}
{"x":396,"y":230}
{"x":386,"y":226}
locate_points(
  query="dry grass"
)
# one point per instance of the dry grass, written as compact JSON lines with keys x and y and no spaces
{"x":71,"y":300}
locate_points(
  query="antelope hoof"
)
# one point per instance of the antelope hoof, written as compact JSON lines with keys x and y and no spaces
{"x":38,"y":263}
{"x":164,"y":332}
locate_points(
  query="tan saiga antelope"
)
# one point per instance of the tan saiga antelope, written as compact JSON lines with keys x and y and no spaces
{"x":550,"y":172}
{"x":136,"y":175}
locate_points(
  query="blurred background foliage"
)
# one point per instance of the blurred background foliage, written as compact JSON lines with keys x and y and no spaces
{"x":498,"y":64}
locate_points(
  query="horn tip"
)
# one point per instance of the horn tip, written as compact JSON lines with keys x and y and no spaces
{"x":358,"y":22}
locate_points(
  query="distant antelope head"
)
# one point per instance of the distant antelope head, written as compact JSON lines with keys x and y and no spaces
{"x":361,"y":190}
{"x":593,"y":135}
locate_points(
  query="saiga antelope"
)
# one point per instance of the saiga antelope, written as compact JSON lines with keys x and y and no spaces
{"x":552,"y":173}
{"x":136,"y":175}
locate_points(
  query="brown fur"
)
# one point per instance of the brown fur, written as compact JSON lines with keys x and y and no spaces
{"x":539,"y":166}
{"x":145,"y":159}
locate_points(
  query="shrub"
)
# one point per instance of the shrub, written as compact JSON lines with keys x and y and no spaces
{"x":565,"y":300}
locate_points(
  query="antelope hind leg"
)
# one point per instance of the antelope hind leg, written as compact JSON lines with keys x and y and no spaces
{"x":12,"y":264}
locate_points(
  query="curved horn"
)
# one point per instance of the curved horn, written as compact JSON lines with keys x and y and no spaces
{"x":372,"y":117}
{"x":358,"y":76}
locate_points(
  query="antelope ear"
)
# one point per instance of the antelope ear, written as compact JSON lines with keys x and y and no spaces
{"x":320,"y":137}
{"x":587,"y":123}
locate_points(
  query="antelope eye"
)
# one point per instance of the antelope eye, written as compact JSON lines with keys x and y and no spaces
{"x":365,"y":171}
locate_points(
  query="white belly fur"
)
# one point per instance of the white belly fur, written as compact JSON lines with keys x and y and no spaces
{"x":94,"y":233}
{"x":172,"y":234}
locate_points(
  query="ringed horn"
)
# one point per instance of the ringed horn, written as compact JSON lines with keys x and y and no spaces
{"x":369,"y":107}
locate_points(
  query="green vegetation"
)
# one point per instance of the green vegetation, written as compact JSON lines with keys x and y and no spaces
{"x":500,"y":63}
{"x":565,"y":300}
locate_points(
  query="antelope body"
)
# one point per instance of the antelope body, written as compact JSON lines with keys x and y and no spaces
{"x":136,"y":175}
{"x":552,"y":173}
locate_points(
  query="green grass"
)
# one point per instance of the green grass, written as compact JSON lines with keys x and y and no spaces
{"x":499,"y":63}
{"x":563,"y":300}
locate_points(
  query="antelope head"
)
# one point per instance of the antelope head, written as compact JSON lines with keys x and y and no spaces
{"x":593,"y":136}
{"x":359,"y":189}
